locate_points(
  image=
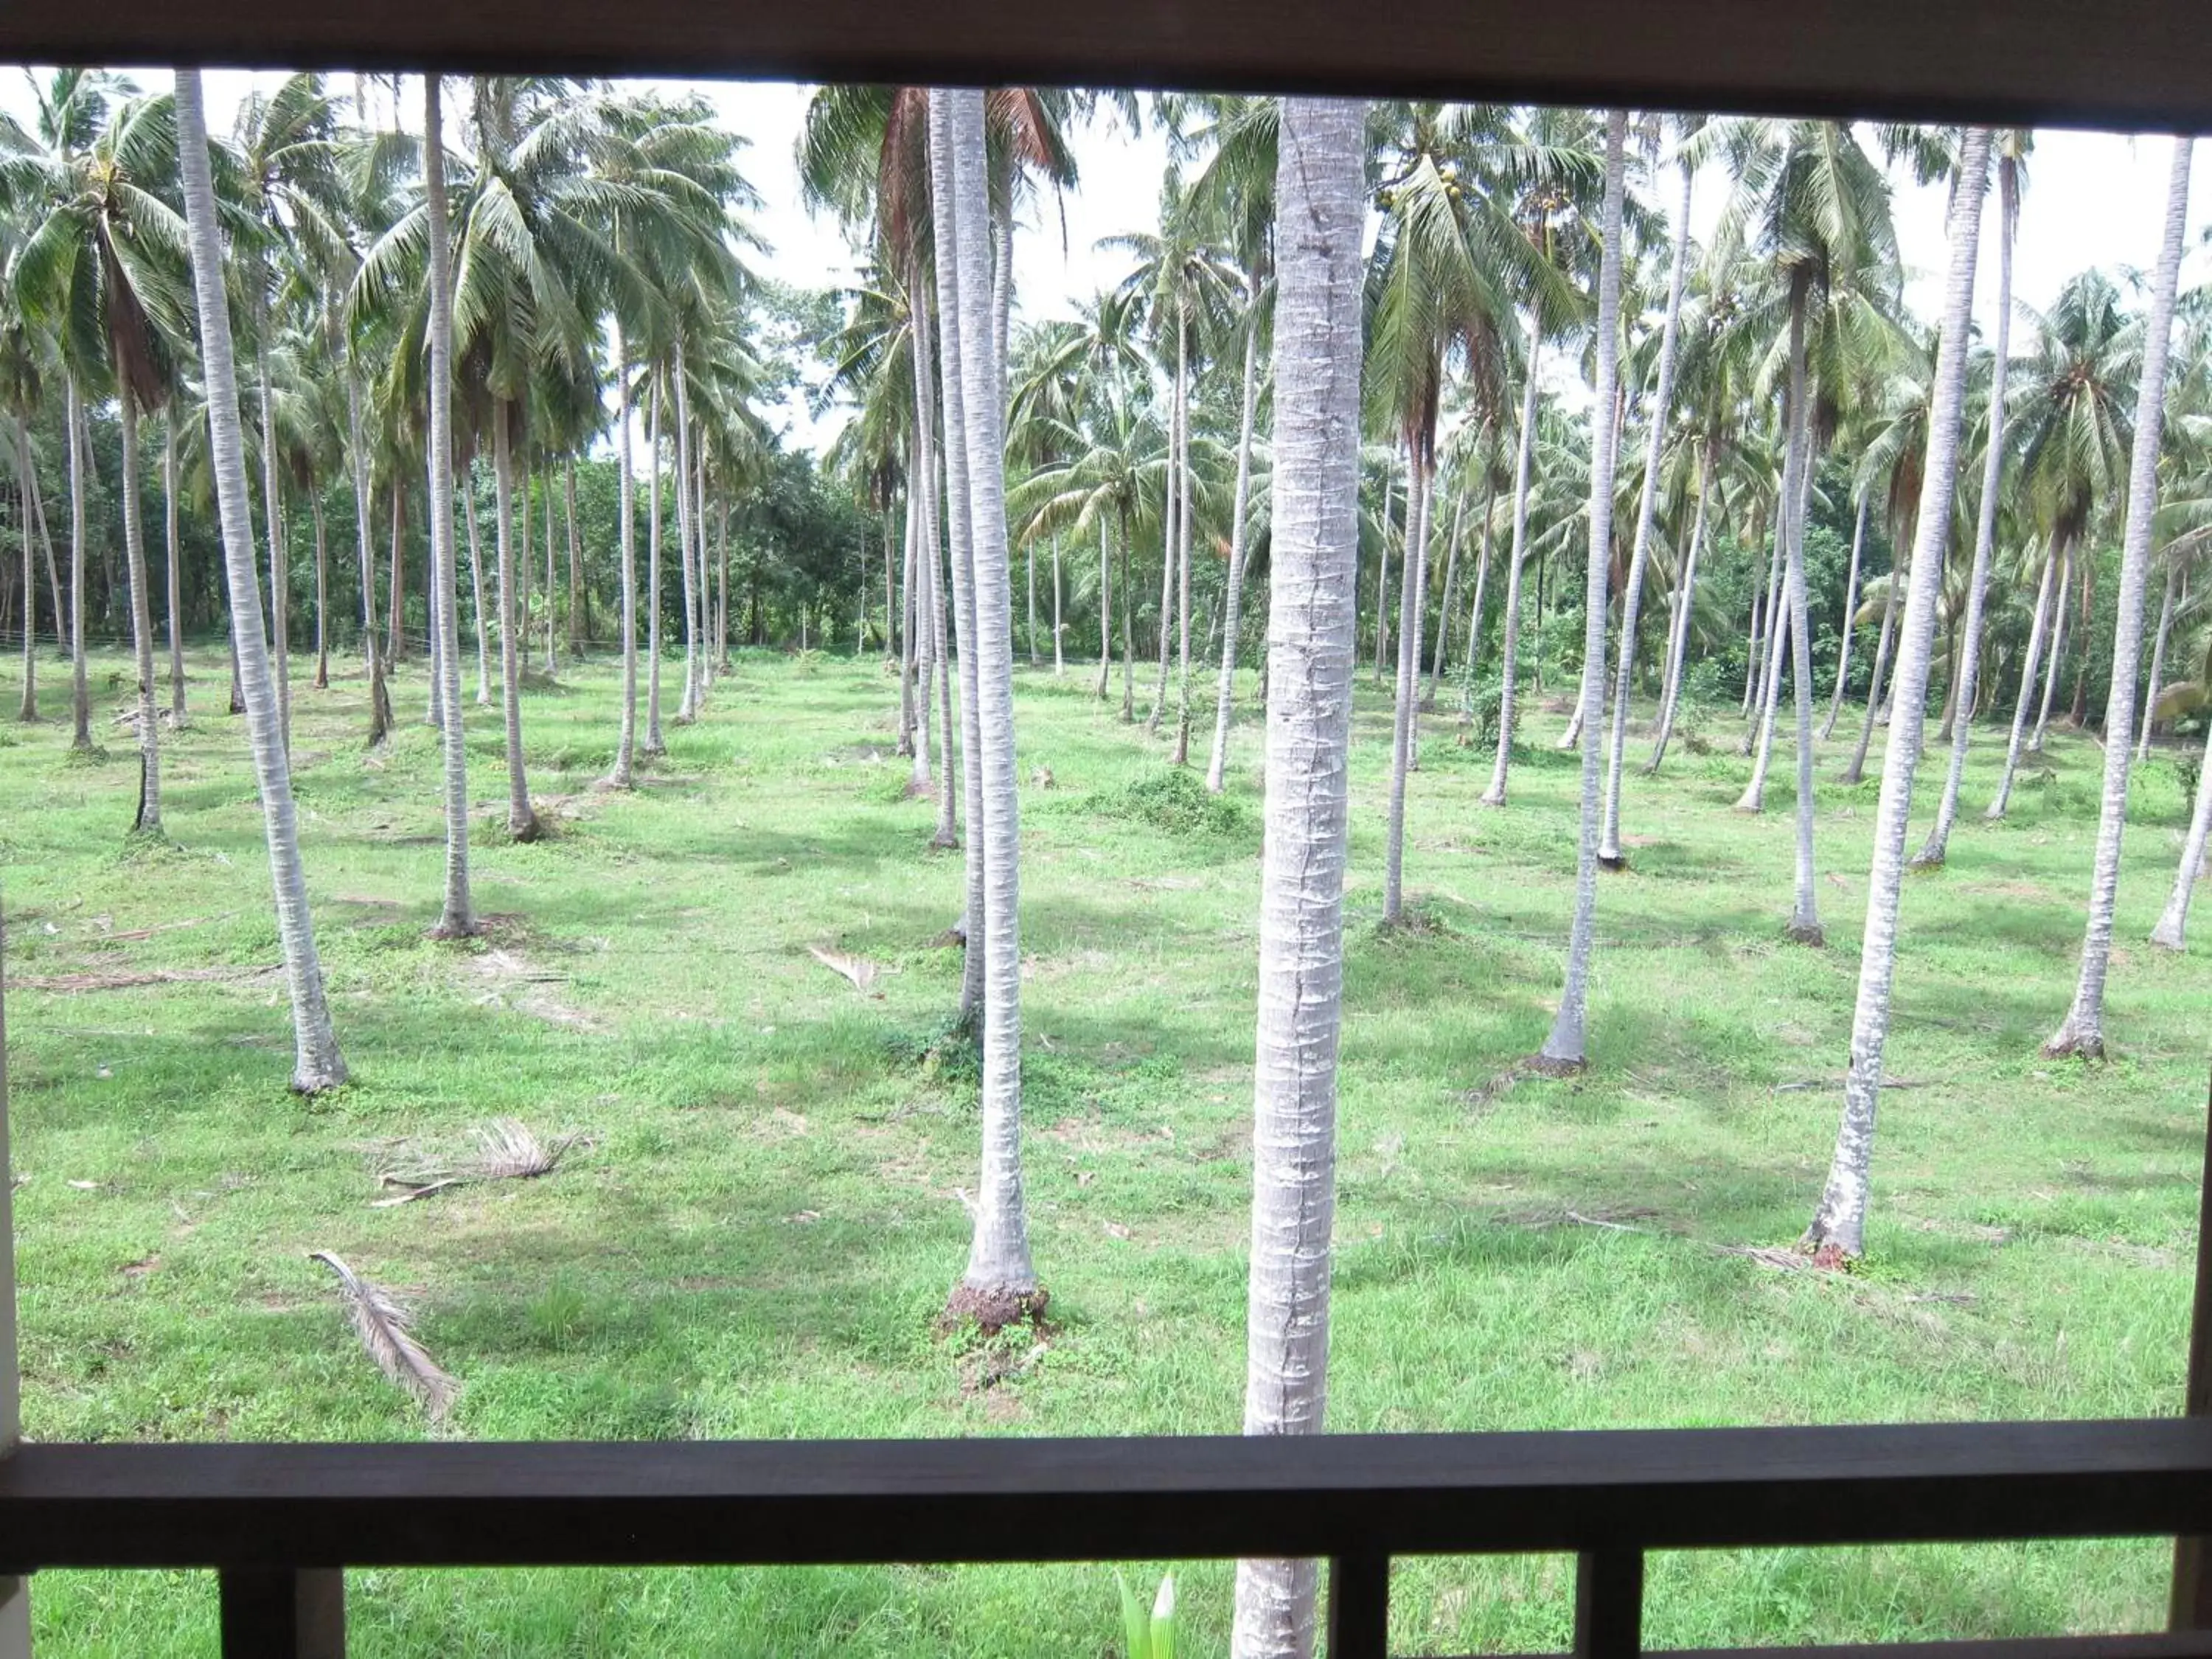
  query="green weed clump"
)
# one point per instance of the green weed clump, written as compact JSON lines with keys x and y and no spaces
{"x":1176,"y":802}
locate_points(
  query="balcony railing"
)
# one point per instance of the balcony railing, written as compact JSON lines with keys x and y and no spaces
{"x":280,"y":1523}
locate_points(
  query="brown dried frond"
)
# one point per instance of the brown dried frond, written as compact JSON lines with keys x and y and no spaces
{"x":385,"y":1326}
{"x":507,"y":1149}
{"x":858,"y":970}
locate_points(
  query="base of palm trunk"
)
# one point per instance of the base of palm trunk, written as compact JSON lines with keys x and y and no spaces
{"x":1540,"y":1065}
{"x":2168,"y":936}
{"x":1612,"y":858}
{"x":1929,"y":857}
{"x":1491,"y":798}
{"x":1828,"y":1255}
{"x":992,"y":1308}
{"x":1752,"y":801}
{"x":2075,"y":1039}
{"x":318,"y":1080}
{"x":1800,"y":932}
{"x":1854,"y":774}
{"x":615,"y":780}
{"x":523,"y":825}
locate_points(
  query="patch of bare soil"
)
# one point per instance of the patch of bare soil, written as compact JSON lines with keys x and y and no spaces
{"x":130,"y":979}
{"x":516,"y":981}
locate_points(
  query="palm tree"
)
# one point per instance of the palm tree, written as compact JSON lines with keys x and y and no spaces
{"x":1000,"y":1284}
{"x":2082,"y":1031}
{"x":1837,"y":1231}
{"x":1321,"y":207}
{"x":2073,"y":426}
{"x":317,"y":1065}
{"x":1564,"y":1049}
{"x":2009,"y":147}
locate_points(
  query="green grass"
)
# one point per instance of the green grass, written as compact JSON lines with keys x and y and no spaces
{"x":765,"y":1221}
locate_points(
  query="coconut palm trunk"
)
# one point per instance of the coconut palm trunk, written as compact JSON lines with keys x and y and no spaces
{"x":322,"y":593}
{"x":1685,"y":603}
{"x":2174,"y":919}
{"x":317,"y":1064}
{"x":148,"y":819}
{"x":1225,"y":697}
{"x":1059,"y":628}
{"x":1170,"y":539}
{"x":1182,"y":554}
{"x":905,"y":653}
{"x":960,"y":339}
{"x":1966,"y":679}
{"x":623,"y":774}
{"x":687,"y":708}
{"x":1838,"y":1226}
{"x":179,"y":716}
{"x":1765,"y":631}
{"x":2158,"y":659}
{"x":1566,"y":1048}
{"x":552,"y":608}
{"x":1128,"y":632}
{"x":280,"y":558}
{"x":654,"y":745}
{"x":1420,"y":471}
{"x":476,"y":590}
{"x":1851,"y":622}
{"x":521,"y":820}
{"x":1445,"y":601}
{"x":1000,"y":1284}
{"x":2082,"y":1031}
{"x":364,"y":508}
{"x":1315,"y":562}
{"x":1508,"y":652}
{"x":79,"y":690}
{"x":1897,"y":579}
{"x":29,"y":710}
{"x":1759,"y":740}
{"x":2053,"y":668}
{"x":1647,"y":506}
{"x":579,"y":608}
{"x":1804,"y":911}
{"x":1475,"y":610}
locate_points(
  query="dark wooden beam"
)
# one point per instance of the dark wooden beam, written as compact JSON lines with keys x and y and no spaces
{"x":754,"y":1503}
{"x":2192,"y":1602}
{"x":2134,"y":64}
{"x":276,"y":1614}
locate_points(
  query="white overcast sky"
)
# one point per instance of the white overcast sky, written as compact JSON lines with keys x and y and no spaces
{"x":2092,"y":199}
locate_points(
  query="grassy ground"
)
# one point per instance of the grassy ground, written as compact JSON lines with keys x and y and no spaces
{"x":765,"y":1219}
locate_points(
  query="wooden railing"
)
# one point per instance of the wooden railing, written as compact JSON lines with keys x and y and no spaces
{"x":280,"y":1523}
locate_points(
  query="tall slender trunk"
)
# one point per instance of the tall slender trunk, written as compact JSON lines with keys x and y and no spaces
{"x":1839,"y":1225}
{"x":148,"y":819}
{"x":968,"y":381}
{"x":1000,"y":1284}
{"x":1128,"y":633}
{"x":1444,"y":602}
{"x":180,"y":717}
{"x":2028,"y":665}
{"x":579,"y":606}
{"x":1805,"y":907}
{"x":80,"y":690}
{"x":457,"y":917}
{"x":322,"y":594}
{"x":1182,"y":547}
{"x":1036,"y":659}
{"x":29,"y":707}
{"x":1508,"y":653}
{"x":1851,"y":622}
{"x":477,"y":589}
{"x":623,"y":774}
{"x":1899,"y":576}
{"x":1686,"y":598}
{"x":280,"y":556}
{"x":1169,"y":540}
{"x":2082,"y":1032}
{"x":2057,"y":662}
{"x":434,"y":712}
{"x":906,"y":612}
{"x":521,"y":819}
{"x":1759,"y":740}
{"x":2157,"y":658}
{"x":546,"y":501}
{"x":1105,"y":605}
{"x":1383,"y":575}
{"x":1224,"y":699}
{"x":1420,"y":476}
{"x":1647,"y":505}
{"x":1966,"y":680}
{"x":922,"y":477}
{"x":720,"y":661}
{"x":1315,"y":562}
{"x":1474,"y":611}
{"x":1754,"y":667}
{"x":654,"y":742}
{"x":688,"y":532}
{"x":317,"y":1065}
{"x":1566,"y":1049}
{"x":1059,"y":628}
{"x":2175,"y":918}
{"x":395,"y":649}
{"x":364,"y":507}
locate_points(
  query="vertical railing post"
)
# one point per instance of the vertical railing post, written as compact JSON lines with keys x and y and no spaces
{"x":2190,"y":1607}
{"x":1360,"y":1606}
{"x":283,"y":1613}
{"x":14,"y":1593}
{"x":1608,"y":1604}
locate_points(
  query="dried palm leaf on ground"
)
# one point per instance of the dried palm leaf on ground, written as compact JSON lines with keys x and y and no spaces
{"x":507,"y":1149}
{"x":858,"y":970}
{"x":385,"y":1326}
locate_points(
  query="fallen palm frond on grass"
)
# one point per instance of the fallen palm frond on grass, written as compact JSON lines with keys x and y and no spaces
{"x":385,"y":1324}
{"x":857,"y":969}
{"x":507,"y":1149}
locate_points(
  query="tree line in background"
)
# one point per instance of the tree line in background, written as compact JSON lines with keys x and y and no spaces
{"x":1531,"y":435}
